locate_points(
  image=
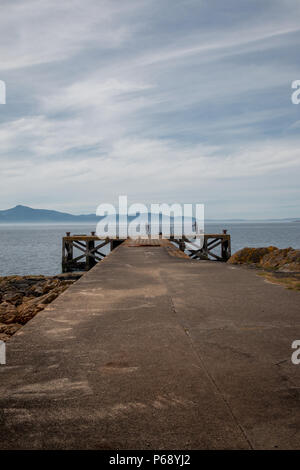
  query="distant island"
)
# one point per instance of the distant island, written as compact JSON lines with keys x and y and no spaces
{"x":24,"y":214}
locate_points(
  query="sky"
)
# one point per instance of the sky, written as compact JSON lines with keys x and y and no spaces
{"x":165,"y":101}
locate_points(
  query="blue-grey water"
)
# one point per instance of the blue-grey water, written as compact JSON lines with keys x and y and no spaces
{"x":36,"y":249}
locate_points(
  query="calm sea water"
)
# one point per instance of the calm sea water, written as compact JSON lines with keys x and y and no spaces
{"x":36,"y":249}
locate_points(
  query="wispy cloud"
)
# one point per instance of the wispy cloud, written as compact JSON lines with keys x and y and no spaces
{"x":174,"y":100}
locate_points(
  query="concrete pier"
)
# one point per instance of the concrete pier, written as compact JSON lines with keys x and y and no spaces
{"x":152,"y":351}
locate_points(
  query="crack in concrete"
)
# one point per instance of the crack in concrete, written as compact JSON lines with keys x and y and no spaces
{"x":207,"y":372}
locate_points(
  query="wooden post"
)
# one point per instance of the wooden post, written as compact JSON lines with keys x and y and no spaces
{"x":204,"y":251}
{"x":90,"y":259}
{"x":67,"y":254}
{"x":225,"y":248}
{"x":182,"y":245}
{"x":115,"y":243}
{"x":63,"y":258}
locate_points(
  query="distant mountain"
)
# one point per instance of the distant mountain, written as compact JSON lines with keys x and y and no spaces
{"x":24,"y":214}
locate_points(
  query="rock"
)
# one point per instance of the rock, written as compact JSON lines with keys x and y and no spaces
{"x":13,"y":297}
{"x":286,"y":260}
{"x":7,"y":313}
{"x":22,"y":297}
{"x":27,"y":311}
{"x":44,"y":287}
{"x":251,"y":255}
{"x":270,"y":258}
{"x":9,"y":329}
{"x":28,"y":299}
{"x":36,"y":290}
{"x":4,"y":337}
{"x":71,"y":276}
{"x":48,"y":298}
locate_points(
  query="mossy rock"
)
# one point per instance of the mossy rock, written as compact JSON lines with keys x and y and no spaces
{"x":286,"y":259}
{"x":251,"y":255}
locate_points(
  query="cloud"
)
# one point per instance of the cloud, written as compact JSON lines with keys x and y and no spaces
{"x":149,"y":164}
{"x":172,"y":101}
{"x":50,"y":31}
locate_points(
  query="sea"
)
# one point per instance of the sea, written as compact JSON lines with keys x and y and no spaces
{"x":32,"y":249}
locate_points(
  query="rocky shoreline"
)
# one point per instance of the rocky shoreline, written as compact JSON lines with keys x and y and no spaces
{"x":279,"y":266}
{"x":270,"y":257}
{"x":22,"y":297}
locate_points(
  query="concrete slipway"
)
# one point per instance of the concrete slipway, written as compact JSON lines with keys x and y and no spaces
{"x":150,"y":351}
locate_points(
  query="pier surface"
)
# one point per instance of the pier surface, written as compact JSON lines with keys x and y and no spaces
{"x":152,"y":351}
